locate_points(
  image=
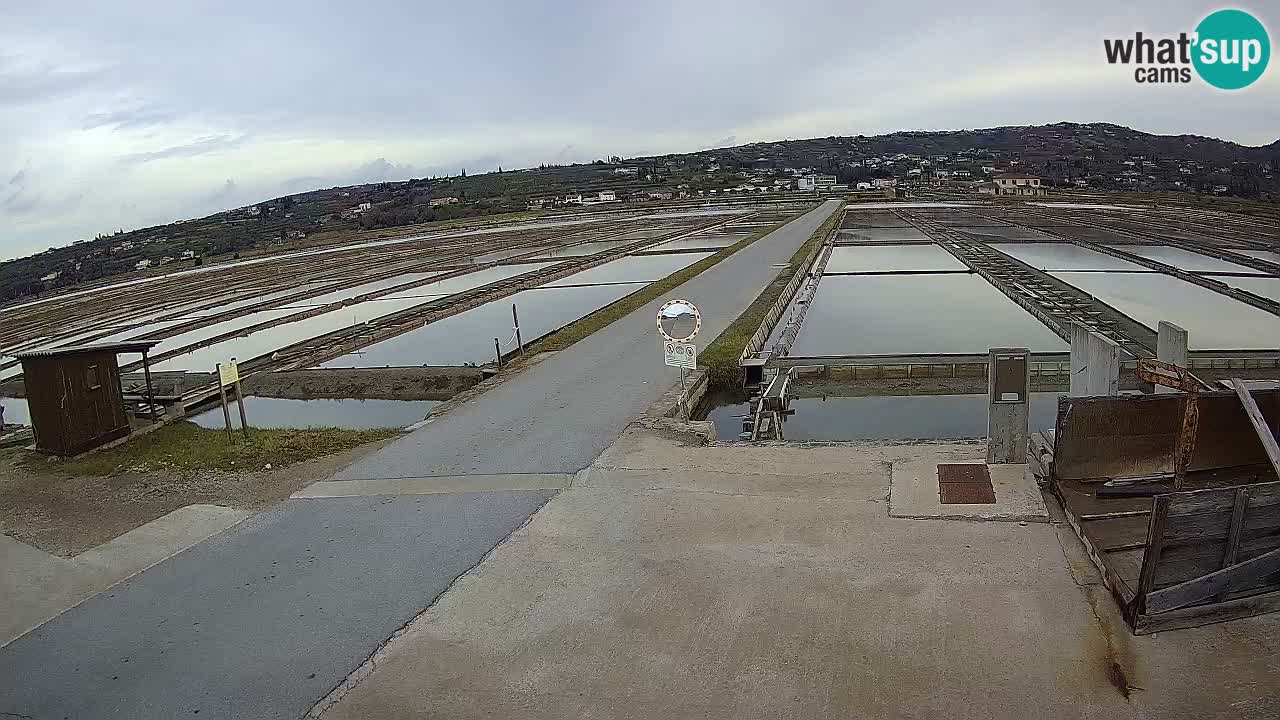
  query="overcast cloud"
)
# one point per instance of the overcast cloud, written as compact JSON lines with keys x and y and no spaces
{"x":125,"y":114}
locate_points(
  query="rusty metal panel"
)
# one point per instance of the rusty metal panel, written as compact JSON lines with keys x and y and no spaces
{"x":966,"y":493}
{"x":964,"y":473}
{"x":965,"y":484}
{"x":1105,"y":437}
{"x":1009,"y":379}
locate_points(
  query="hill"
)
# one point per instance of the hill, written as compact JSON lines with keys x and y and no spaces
{"x":1096,"y":156}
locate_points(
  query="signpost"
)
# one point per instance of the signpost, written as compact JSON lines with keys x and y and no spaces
{"x":679,"y":321}
{"x":229,"y":376}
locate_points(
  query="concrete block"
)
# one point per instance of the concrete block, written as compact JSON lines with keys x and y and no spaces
{"x":1095,"y":364}
{"x":913,"y":493}
{"x":1009,"y":392}
{"x":1171,"y":347}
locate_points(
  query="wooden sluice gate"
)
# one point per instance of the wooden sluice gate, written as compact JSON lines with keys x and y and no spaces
{"x":1176,"y":498}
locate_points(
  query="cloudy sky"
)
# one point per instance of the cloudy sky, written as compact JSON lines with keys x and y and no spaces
{"x":129,"y":113}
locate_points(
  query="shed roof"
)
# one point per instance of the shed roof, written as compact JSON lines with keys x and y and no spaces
{"x":136,"y":346}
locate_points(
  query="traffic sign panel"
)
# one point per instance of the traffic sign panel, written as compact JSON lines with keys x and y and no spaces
{"x":681,"y":355}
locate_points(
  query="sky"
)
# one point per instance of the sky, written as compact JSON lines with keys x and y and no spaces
{"x":118,"y":115}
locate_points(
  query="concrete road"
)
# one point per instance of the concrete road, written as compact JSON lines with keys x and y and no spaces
{"x":770,"y":582}
{"x":558,"y":416}
{"x":262,"y":620}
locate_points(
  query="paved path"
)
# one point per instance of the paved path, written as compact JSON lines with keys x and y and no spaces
{"x":263,"y":620}
{"x":558,"y":416}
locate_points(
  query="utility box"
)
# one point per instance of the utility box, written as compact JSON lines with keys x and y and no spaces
{"x":1009,"y":387}
{"x":75,"y":397}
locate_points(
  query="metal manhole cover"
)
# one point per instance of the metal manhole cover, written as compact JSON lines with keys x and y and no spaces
{"x":965,"y":485}
{"x":964,"y":473}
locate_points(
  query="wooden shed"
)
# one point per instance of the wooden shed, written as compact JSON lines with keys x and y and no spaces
{"x":75,"y":397}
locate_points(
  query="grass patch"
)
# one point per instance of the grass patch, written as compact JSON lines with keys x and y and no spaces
{"x":607,"y":315}
{"x":187,"y":446}
{"x":720,"y":358}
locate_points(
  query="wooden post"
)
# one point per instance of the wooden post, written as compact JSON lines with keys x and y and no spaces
{"x":497,"y":350}
{"x":1259,"y":422}
{"x":226,"y":411}
{"x":516,"y":320}
{"x":244,"y":421}
{"x":151,"y":396}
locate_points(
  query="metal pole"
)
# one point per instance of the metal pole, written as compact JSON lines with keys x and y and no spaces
{"x":151,"y":396}
{"x":497,"y":350}
{"x":684,"y":400}
{"x":516,"y":319}
{"x":226,"y":411}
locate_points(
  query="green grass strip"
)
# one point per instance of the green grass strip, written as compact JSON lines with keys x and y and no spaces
{"x":720,"y":358}
{"x":187,"y":446}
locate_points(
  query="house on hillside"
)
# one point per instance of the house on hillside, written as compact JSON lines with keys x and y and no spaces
{"x":1018,"y":184}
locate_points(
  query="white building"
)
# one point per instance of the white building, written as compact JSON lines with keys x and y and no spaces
{"x":142,"y":265}
{"x":1015,"y":184}
{"x":882,"y":183}
{"x":188,"y":254}
{"x":815,"y":182}
{"x":630,"y":171}
{"x":607,"y":196}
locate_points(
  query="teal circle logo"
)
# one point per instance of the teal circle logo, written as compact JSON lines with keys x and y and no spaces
{"x":1232,"y":49}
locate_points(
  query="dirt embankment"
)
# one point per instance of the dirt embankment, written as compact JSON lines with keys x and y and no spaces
{"x":421,"y":383}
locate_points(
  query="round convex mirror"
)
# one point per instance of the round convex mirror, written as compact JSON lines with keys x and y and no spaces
{"x":679,"y":320}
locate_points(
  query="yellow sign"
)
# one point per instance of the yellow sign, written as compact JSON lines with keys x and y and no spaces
{"x":228,"y":373}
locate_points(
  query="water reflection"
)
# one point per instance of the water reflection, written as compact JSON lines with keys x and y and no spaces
{"x":348,"y":413}
{"x":896,"y":417}
{"x":886,"y":314}
{"x":891,"y":258}
{"x":1213,"y":321}
{"x":468,"y":336}
{"x":15,"y":411}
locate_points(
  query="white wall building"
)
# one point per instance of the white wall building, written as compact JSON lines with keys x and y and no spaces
{"x":1014,"y":184}
{"x":815,"y":182}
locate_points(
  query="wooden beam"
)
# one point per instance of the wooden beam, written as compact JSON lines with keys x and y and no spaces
{"x":1232,"y":547}
{"x":1155,"y":545}
{"x":1198,"y":615}
{"x":1259,"y":423}
{"x":1182,"y":594}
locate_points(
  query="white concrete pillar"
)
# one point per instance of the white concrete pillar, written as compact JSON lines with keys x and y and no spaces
{"x":1009,"y":397}
{"x":1095,"y":363}
{"x":1171,"y":347}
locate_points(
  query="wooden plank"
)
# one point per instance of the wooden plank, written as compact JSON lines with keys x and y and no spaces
{"x":1183,"y":594}
{"x":1205,"y":527}
{"x":1260,"y":425}
{"x":1193,"y":502}
{"x":1235,"y":527}
{"x":1117,"y":533}
{"x":1197,"y":615}
{"x":1155,"y":544}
